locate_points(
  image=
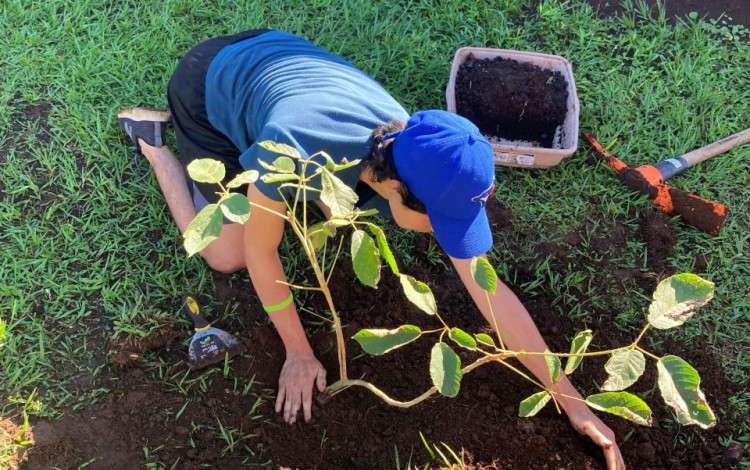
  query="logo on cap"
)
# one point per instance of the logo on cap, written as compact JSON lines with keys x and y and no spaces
{"x":482,"y":198}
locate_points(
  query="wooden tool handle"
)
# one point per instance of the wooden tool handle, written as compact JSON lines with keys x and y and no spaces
{"x":711,"y":150}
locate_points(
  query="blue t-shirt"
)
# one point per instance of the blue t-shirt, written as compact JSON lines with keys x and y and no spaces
{"x":282,"y":88}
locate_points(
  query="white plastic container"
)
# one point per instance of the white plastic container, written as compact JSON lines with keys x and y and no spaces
{"x":523,"y":154}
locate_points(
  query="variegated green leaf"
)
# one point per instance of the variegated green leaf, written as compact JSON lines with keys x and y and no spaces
{"x":339,"y":197}
{"x":484,"y":274}
{"x":365,"y":258}
{"x":206,"y":170}
{"x":625,"y":367}
{"x":203,"y":229}
{"x":269,"y":178}
{"x":445,"y":369}
{"x":385,"y":250}
{"x":246,"y":177}
{"x":347,"y":164}
{"x":679,"y":384}
{"x":553,"y":366}
{"x":579,"y":344}
{"x":236,"y":208}
{"x":676,"y":299}
{"x":282,"y":149}
{"x":462,"y":338}
{"x":485,"y":339}
{"x":284,"y":165}
{"x":378,"y":342}
{"x":419,"y":294}
{"x":622,"y":404}
{"x":533,"y":404}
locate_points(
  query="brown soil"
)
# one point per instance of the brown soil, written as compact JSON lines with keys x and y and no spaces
{"x":354,"y":429}
{"x":512,"y":100}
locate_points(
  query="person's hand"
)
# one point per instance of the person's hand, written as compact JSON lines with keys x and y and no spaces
{"x":298,"y":375}
{"x":585,"y":422}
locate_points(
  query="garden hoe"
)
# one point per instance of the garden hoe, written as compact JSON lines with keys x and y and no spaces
{"x":209,"y":344}
{"x":705,"y":215}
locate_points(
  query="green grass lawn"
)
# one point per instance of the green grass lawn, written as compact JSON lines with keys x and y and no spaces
{"x":88,"y":247}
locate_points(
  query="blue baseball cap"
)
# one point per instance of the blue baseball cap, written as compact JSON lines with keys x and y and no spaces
{"x":446,"y":162}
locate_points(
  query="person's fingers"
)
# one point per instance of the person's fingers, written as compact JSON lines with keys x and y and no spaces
{"x":598,"y":437}
{"x":280,"y":397}
{"x":288,"y":405}
{"x":307,"y":402}
{"x":614,"y":458}
{"x":611,"y":451}
{"x":320,"y":379}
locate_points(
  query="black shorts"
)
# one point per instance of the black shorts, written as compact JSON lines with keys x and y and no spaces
{"x":196,"y":137}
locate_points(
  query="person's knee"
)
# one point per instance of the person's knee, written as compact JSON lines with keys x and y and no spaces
{"x":224,"y":265}
{"x":226,"y":254}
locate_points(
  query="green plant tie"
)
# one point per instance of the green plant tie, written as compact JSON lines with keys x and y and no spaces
{"x":281,"y":305}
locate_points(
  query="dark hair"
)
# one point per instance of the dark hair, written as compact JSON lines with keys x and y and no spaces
{"x":381,"y":165}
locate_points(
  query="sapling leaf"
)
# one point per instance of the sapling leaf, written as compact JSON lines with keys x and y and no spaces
{"x":484,"y":274}
{"x":419,"y":294}
{"x":622,"y":404}
{"x":206,"y":170}
{"x":385,"y":250}
{"x":297,"y":185}
{"x":203,"y":229}
{"x":679,"y":384}
{"x":339,"y":197}
{"x":485,"y":339}
{"x":579,"y":344}
{"x":676,"y":299}
{"x":367,"y":213}
{"x":335,"y":222}
{"x":246,"y":177}
{"x":279,"y":177}
{"x":283,"y":149}
{"x":533,"y":404}
{"x":319,"y":233}
{"x":378,"y":342}
{"x":266,"y":166}
{"x":236,"y":208}
{"x":347,"y":164}
{"x":553,"y":366}
{"x":365,"y":259}
{"x":463,"y":339}
{"x":284,"y":165}
{"x":625,"y":367}
{"x":445,"y":369}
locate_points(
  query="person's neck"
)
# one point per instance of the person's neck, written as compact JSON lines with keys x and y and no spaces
{"x":385,"y":188}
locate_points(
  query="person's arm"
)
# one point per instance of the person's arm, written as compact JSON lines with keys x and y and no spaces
{"x":519,"y":333}
{"x":263,"y":232}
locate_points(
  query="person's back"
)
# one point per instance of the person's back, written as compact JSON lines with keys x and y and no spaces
{"x":280,"y":87}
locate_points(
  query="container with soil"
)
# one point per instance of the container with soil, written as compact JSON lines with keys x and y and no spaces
{"x":524,"y":102}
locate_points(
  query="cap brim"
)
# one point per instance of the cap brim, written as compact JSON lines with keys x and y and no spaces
{"x":462,"y":238}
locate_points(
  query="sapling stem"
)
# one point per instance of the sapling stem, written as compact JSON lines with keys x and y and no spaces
{"x":335,"y":259}
{"x":643,"y":332}
{"x":295,"y":286}
{"x":652,"y":356}
{"x":337,"y":387}
{"x":494,"y":320}
{"x":259,"y":206}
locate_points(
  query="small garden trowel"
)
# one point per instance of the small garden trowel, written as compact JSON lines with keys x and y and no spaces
{"x":209,"y":344}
